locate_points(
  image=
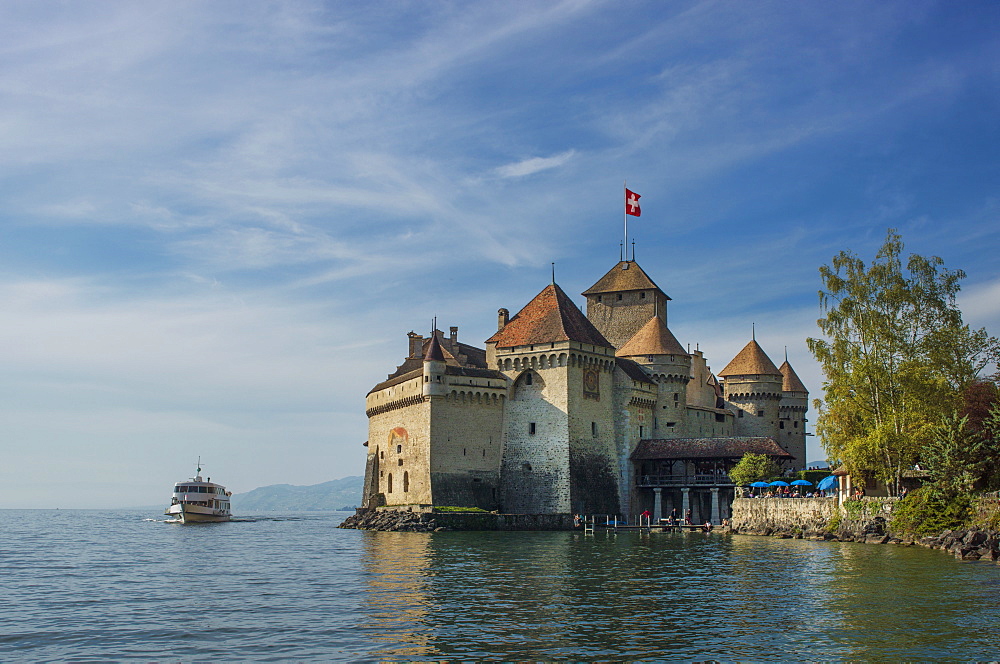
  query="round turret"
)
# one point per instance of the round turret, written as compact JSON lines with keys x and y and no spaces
{"x":434,"y":369}
{"x":752,"y":384}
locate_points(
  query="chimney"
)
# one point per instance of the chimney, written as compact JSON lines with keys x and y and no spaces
{"x":454,"y":335}
{"x":503,"y":317}
{"x":416,"y":344}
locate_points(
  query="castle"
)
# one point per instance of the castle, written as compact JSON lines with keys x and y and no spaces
{"x":570,"y":413}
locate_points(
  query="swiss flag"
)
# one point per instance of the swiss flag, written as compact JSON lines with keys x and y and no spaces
{"x":632,"y":203}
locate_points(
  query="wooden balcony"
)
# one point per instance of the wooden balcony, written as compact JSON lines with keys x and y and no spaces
{"x":705,"y":480}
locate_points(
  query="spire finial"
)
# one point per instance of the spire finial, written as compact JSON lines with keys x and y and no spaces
{"x":633,"y":250}
{"x":553,"y":274}
{"x":753,"y":331}
{"x":786,"y":353}
{"x":621,"y":251}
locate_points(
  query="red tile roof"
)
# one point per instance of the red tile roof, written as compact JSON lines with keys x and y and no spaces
{"x":551,"y":316}
{"x":653,"y":338}
{"x":751,"y":360}
{"x":625,"y":276}
{"x":633,"y":370}
{"x":790,"y":381}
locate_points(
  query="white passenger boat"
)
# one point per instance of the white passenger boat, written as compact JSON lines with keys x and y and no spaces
{"x":198,"y":500}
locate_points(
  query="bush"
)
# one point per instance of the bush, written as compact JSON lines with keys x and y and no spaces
{"x":753,"y":468}
{"x":929,"y":510}
{"x":854,"y":509}
{"x":834,"y":524}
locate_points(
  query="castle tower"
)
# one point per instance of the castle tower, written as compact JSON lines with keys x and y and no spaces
{"x":434,"y":369}
{"x":752,"y":384}
{"x":624,"y":300}
{"x":435,"y":428}
{"x":659,"y":353}
{"x":792,"y":411}
{"x":559,"y":451}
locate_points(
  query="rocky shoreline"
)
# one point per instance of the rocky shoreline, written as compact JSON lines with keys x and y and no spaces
{"x":871,"y":527}
{"x":967,"y":544}
{"x":393,"y":521}
{"x":866,"y":520}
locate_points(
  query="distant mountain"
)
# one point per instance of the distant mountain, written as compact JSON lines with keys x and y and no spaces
{"x":817,"y":464}
{"x":332,"y":495}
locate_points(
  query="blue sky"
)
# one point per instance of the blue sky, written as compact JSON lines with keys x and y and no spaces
{"x":220,"y":219}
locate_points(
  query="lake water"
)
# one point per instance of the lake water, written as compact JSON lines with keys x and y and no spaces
{"x":99,"y":586}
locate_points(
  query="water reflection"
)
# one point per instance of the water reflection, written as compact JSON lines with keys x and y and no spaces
{"x":396,"y":571}
{"x":681,"y":595}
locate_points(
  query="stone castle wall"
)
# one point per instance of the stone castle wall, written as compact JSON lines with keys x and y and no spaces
{"x":753,"y":397}
{"x":592,"y":450}
{"x":792,"y":438}
{"x":534,"y":473}
{"x":399,"y":440}
{"x":806,"y":517}
{"x":467,"y":429}
{"x":619,"y":320}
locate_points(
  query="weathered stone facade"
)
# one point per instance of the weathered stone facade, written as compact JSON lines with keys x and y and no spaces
{"x":546,"y":419}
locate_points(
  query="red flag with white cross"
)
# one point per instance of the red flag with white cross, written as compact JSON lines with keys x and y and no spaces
{"x":632,"y":203}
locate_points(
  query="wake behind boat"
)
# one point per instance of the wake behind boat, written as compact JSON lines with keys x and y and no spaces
{"x":197,"y":501}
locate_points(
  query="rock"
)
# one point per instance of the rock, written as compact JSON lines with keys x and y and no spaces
{"x":876,"y":539}
{"x":975,"y":538}
{"x":967,"y":553}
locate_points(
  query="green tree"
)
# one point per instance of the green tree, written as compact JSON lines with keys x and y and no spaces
{"x":754,"y":468}
{"x":956,"y":456}
{"x":990,"y":432}
{"x":896,"y":356}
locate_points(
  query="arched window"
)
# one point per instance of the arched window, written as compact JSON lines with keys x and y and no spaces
{"x":388,"y":488}
{"x":406,"y":482}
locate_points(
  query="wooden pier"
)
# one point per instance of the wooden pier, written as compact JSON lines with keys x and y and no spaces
{"x":610,"y":523}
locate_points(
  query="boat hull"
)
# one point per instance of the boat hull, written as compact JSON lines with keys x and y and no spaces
{"x":196,"y":514}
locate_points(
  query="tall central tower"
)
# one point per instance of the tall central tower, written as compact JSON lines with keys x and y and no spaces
{"x":559,"y":448}
{"x":623,"y":301}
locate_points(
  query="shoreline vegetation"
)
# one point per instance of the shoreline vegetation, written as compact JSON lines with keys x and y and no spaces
{"x":904,"y":397}
{"x":865,"y":520}
{"x":872,"y":521}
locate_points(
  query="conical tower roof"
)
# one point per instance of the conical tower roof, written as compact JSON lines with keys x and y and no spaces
{"x":789,"y":379}
{"x":625,"y":276}
{"x":653,"y":338}
{"x":551,"y":316}
{"x":434,"y":352}
{"x":751,"y":360}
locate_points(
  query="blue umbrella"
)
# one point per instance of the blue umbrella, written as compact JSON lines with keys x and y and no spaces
{"x":758,"y":484}
{"x":802,"y":483}
{"x":778,"y":483}
{"x":827,"y":483}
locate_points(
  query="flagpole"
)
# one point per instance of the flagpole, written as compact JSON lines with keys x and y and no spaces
{"x":625,"y":213}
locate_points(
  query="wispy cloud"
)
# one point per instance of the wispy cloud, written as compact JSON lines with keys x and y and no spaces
{"x":534,"y":165}
{"x":207,"y":207}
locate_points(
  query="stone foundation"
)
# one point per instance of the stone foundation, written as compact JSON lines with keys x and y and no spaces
{"x":425,"y":521}
{"x":783,"y":517}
